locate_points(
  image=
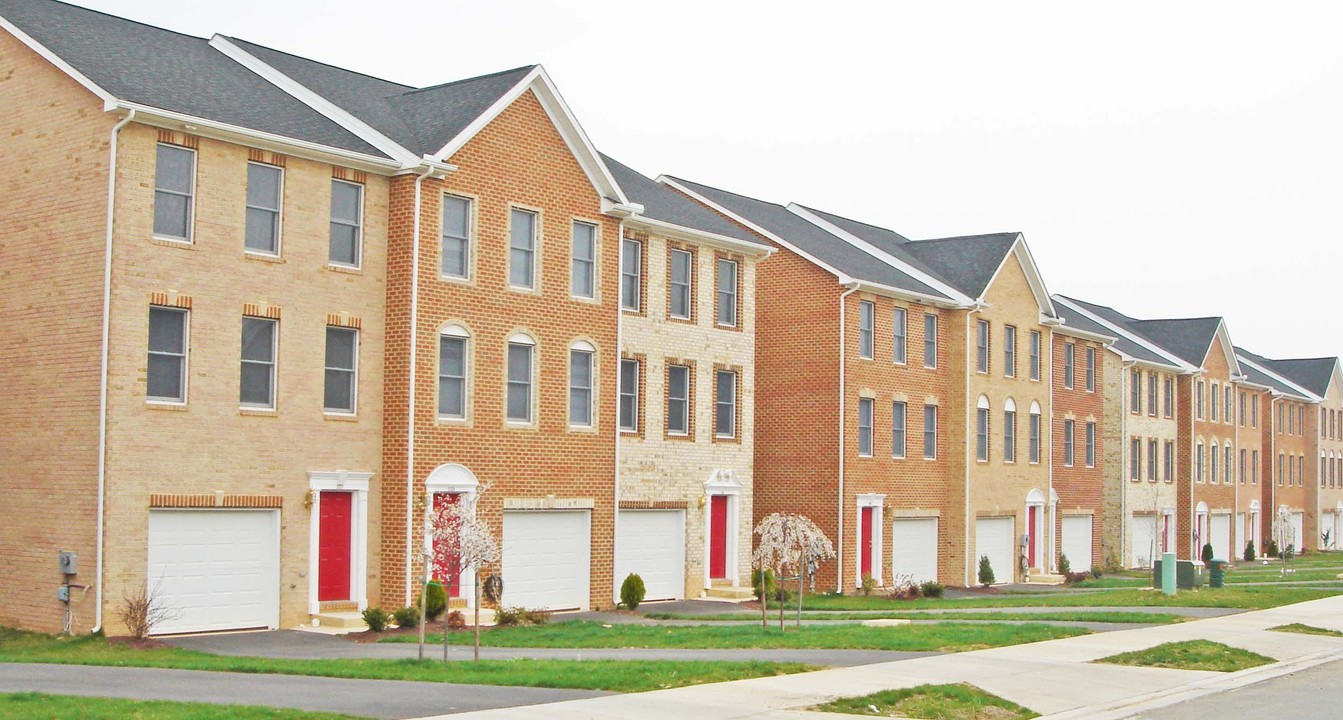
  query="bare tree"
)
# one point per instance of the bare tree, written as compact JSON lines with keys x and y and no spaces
{"x":142,"y":609}
{"x":460,"y":537}
{"x":790,"y":544}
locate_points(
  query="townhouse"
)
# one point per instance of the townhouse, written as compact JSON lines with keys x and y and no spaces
{"x":1080,"y":378}
{"x":1321,"y":377}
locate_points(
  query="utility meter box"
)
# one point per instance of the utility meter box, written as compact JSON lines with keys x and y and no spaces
{"x":69,"y":562}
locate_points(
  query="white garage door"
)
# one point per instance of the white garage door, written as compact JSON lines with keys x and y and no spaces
{"x":546,"y":559}
{"x":1144,"y":534}
{"x":1298,"y":529}
{"x":220,"y":569}
{"x":1077,"y":541}
{"x":1238,"y":547}
{"x":1327,"y":525}
{"x":995,"y":537}
{"x":914,"y":549}
{"x":1219,"y":536}
{"x":652,"y":544}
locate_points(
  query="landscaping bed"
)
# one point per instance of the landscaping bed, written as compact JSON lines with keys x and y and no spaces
{"x":959,"y":701}
{"x":1191,"y":655}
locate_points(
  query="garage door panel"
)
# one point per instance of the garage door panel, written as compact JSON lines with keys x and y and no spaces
{"x":219,"y":569}
{"x":546,"y":559}
{"x":1077,"y":542}
{"x":652,"y":544}
{"x":1298,"y":530}
{"x":995,"y":537}
{"x":1144,"y":534}
{"x":914,"y":549}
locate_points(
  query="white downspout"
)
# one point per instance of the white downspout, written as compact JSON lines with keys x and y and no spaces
{"x":970,"y":560}
{"x":410,"y":398}
{"x":1124,"y":520}
{"x":620,"y":346}
{"x":102,"y":381}
{"x":843,"y":370}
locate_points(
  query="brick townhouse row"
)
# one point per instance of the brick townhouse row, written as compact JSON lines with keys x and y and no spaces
{"x":266,"y":314}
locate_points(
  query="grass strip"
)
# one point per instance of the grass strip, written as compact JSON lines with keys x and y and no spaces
{"x":1307,"y":630}
{"x":959,"y":701}
{"x":1191,"y":655}
{"x":1250,"y":598}
{"x":35,"y":706}
{"x":1064,"y":616}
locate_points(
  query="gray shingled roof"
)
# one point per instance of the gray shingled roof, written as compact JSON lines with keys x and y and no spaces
{"x":967,"y":263}
{"x":1187,"y":338}
{"x":1260,"y":378}
{"x":162,"y":69}
{"x":663,"y":203}
{"x":812,"y":240}
{"x":888,"y":241}
{"x":1313,"y":374}
{"x":1085,"y":324}
{"x":1124,"y":344}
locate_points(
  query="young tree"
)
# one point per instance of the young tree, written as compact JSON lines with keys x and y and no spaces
{"x":459,"y":537}
{"x":791,"y":543}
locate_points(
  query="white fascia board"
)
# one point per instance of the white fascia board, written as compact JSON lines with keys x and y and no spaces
{"x":681,"y":232}
{"x":1228,"y":349}
{"x":255,"y":138}
{"x":1175,"y":362}
{"x":1033,"y":276}
{"x":56,"y":60}
{"x":894,"y":292}
{"x":1062,"y":328}
{"x":325,"y":107}
{"x":1304,"y":394}
{"x":877,"y":252}
{"x":669,"y":182}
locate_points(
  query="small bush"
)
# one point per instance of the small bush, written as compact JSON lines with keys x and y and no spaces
{"x":1206,"y":555}
{"x":435,"y":601}
{"x":985,"y":571}
{"x":407,"y":617}
{"x":1249,"y":551}
{"x":1271,"y":550}
{"x":456,"y":621}
{"x":869,"y":584}
{"x":906,"y":591}
{"x":1065,"y":567}
{"x":517,"y":617}
{"x":142,"y":609}
{"x":776,"y":593}
{"x":632,"y":591}
{"x":1073,"y":577}
{"x":376,"y":619}
{"x":1097,"y":572}
{"x":931,"y":589}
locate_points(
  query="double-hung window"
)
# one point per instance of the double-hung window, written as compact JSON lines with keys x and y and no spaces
{"x":681,"y":287}
{"x":727,"y":292}
{"x":1151,"y":394}
{"x":174,"y":192}
{"x":1010,"y":351}
{"x":580,"y":385}
{"x":929,"y":340}
{"x":166,"y":380}
{"x":1199,"y":400}
{"x":1091,"y":369}
{"x":347,"y":223}
{"x":1254,"y":467}
{"x":1168,"y":397}
{"x":678,"y":400}
{"x":1242,"y":408}
{"x":452,"y":363}
{"x":262,"y":224}
{"x":1226,"y":466}
{"x":1068,"y":428}
{"x":1033,"y":436}
{"x":1091,"y":445}
{"x":1135,"y":459}
{"x":518,"y":400}
{"x":1243,"y":473}
{"x":1069,"y":363}
{"x":982,"y":346}
{"x":522,"y":249}
{"x":631,"y":274}
{"x":898,"y":335}
{"x":1009,"y":435}
{"x":982,"y":433}
{"x":1168,"y":461}
{"x":1215,"y":401}
{"x":1151,"y":460}
{"x":456,"y":238}
{"x":866,"y":328}
{"x":1135,"y":392}
{"x":257,"y":380}
{"x":929,"y":432}
{"x":629,"y":395}
{"x":865,"y":427}
{"x":1226,"y":405}
{"x":1035,"y":354}
{"x":725,"y":404}
{"x":1198,"y":463}
{"x":342,"y":370}
{"x":899,"y":412}
{"x":583,"y":263}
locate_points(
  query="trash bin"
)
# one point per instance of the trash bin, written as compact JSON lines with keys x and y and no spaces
{"x":1217,"y":573}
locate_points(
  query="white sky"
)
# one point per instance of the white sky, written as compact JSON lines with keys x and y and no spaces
{"x":1169,"y":159}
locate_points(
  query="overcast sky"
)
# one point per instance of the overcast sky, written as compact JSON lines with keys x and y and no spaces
{"x":1169,"y":159}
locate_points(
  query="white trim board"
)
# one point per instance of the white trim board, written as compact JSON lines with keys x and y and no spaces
{"x":1176,"y":363}
{"x":340,"y":481}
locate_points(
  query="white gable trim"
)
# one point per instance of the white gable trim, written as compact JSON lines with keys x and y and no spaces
{"x":1121,"y":332}
{"x":561,"y":116}
{"x":1228,"y":349}
{"x":681,"y":232}
{"x":1304,"y":393}
{"x":875,"y":251}
{"x":51,"y":57}
{"x":1033,"y":277}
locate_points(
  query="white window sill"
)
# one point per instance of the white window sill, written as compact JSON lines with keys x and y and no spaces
{"x":342,"y":267}
{"x":173,"y":240}
{"x":339,"y":415}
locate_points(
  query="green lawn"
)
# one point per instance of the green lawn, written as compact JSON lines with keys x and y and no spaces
{"x":937,"y":702}
{"x":944,"y":637}
{"x":613,"y":675}
{"x":1250,"y":598}
{"x":35,"y":706}
{"x":1307,"y":630}
{"x":1116,"y":581}
{"x":1192,"y":655}
{"x":1061,"y":616}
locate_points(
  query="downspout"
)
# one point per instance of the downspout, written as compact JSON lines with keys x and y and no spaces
{"x":102,"y":381}
{"x":970,"y":558}
{"x":843,"y":370}
{"x":410,"y":397}
{"x":1124,"y":520}
{"x":1274,"y":429}
{"x":620,"y":344}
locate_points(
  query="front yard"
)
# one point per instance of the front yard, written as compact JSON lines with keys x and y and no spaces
{"x":1247,"y":597}
{"x":39,"y":706}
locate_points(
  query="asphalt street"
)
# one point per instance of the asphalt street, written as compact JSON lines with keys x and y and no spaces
{"x":1315,"y":693}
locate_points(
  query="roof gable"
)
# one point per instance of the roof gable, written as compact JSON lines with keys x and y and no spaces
{"x":1189,"y":339}
{"x":1130,"y":342}
{"x":665,"y":205}
{"x":1263,"y":371}
{"x":968,"y":262}
{"x":1313,"y":374}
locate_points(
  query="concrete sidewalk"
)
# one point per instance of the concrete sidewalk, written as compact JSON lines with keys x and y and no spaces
{"x":1055,"y":678}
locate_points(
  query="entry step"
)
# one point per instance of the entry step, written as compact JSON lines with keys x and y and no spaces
{"x":733,"y":593}
{"x":1037,"y":578}
{"x":348,"y":621}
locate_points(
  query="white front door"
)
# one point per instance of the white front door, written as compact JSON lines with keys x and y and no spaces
{"x":1077,"y":541}
{"x":652,"y":543}
{"x":1298,"y":530}
{"x":1146,"y":546}
{"x":546,"y":559}
{"x":1219,"y":536}
{"x":996,"y":538}
{"x":914,"y":550}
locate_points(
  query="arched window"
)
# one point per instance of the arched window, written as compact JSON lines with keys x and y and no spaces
{"x":982,"y":429}
{"x":1010,"y":431}
{"x":454,"y":399}
{"x":1034,"y":440}
{"x":520,"y":378}
{"x":582,"y":378}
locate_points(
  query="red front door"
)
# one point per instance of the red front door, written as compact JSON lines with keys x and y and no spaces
{"x":447,"y":567}
{"x":865,"y":546}
{"x":333,"y":546}
{"x":718,"y":537}
{"x":1031,"y":513}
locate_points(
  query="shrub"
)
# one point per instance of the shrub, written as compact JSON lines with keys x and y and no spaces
{"x":1271,"y":550}
{"x":776,"y":593}
{"x":1249,"y":551}
{"x":931,"y":589}
{"x":376,"y":619}
{"x":1206,"y":555}
{"x":407,"y":617}
{"x":632,"y":591}
{"x":142,"y":609}
{"x":1073,"y":577}
{"x":435,"y":601}
{"x":1097,"y":572}
{"x":985,"y":571}
{"x":1065,"y":567}
{"x":869,"y":584}
{"x":516,"y":617}
{"x":456,"y":621}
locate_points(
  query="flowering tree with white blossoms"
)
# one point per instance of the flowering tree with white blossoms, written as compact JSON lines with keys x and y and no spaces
{"x":460,"y":538}
{"x":789,"y":544}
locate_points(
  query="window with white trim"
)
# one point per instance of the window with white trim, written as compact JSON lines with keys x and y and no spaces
{"x":1068,"y":428}
{"x":898,"y":335}
{"x":583,"y":261}
{"x":1091,"y":369}
{"x":1254,"y":467}
{"x":452,"y":373}
{"x":1091,"y":444}
{"x":1033,"y":434}
{"x":520,"y":379}
{"x":1243,"y":472}
{"x":1151,"y":394}
{"x":1226,"y":405}
{"x":580,"y":384}
{"x":166,"y":375}
{"x":261,"y":232}
{"x":982,"y":346}
{"x":347,"y":223}
{"x":341,"y":388}
{"x":682,"y":281}
{"x":522,"y":248}
{"x":629,"y":395}
{"x":1168,"y":397}
{"x":725,"y":404}
{"x":455,"y":240}
{"x":1227,"y":468}
{"x":1198,"y":463}
{"x":1151,"y":461}
{"x":866,"y":328}
{"x":982,"y":430}
{"x":631,"y":274}
{"x":1216,"y":390}
{"x":929,"y":340}
{"x":1198,"y":401}
{"x":1069,"y":363}
{"x":174,"y":192}
{"x":1010,"y":351}
{"x":1010,"y":432}
{"x":899,"y":421}
{"x":1168,"y":461}
{"x":257,"y":379}
{"x":678,"y":399}
{"x":1134,"y":459}
{"x":929,"y":432}
{"x":1135,"y":392}
{"x":865,"y":427}
{"x":1035,"y":354}
{"x":727,"y":292}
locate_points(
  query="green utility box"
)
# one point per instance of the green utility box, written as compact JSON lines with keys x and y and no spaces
{"x":1188,"y":574}
{"x":1217,"y":573}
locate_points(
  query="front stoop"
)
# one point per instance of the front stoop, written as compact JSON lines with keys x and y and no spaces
{"x":730,"y":593}
{"x":338,"y":621}
{"x":1039,"y":578}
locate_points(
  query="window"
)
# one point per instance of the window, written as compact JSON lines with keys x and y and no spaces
{"x":174,"y":192}
{"x":1198,"y":463}
{"x":929,"y":340}
{"x":1282,"y":469}
{"x":727,"y":292}
{"x":456,"y":238}
{"x":1135,"y":392}
{"x":1010,"y":434}
{"x":342,"y":359}
{"x":1324,"y":416}
{"x":898,"y":423}
{"x":1091,"y":369}
{"x":866,"y":322}
{"x":1212,"y":465}
{"x":680,"y":287}
{"x":1282,"y":423}
{"x":1254,"y":467}
{"x":1091,"y":445}
{"x":1033,"y":436}
{"x":1198,"y":401}
{"x":1035,"y":355}
{"x":629,"y":395}
{"x":1324,"y":474}
{"x":1134,"y":459}
{"x":257,"y":382}
{"x":725,"y":405}
{"x":898,"y":318}
{"x":982,"y":431}
{"x":519,"y":394}
{"x":865,"y":427}
{"x":678,"y":400}
{"x":1301,"y":469}
{"x":1242,"y":408}
{"x":1068,"y":427}
{"x":929,"y":432}
{"x":1010,"y":351}
{"x":1214,"y":402}
{"x":580,"y":386}
{"x":1254,"y":411}
{"x":452,"y":374}
{"x":631,"y":274}
{"x":1151,"y":461}
{"x":1168,"y":461}
{"x":1243,"y":474}
{"x":262,"y":225}
{"x":982,"y":346}
{"x":1151,"y":394}
{"x":347,"y":223}
{"x":1069,"y":362}
{"x":583,"y":264}
{"x":1227,"y":417}
{"x":1226,"y":465}
{"x":522,"y":249}
{"x":1168,"y":397}
{"x":166,"y":377}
